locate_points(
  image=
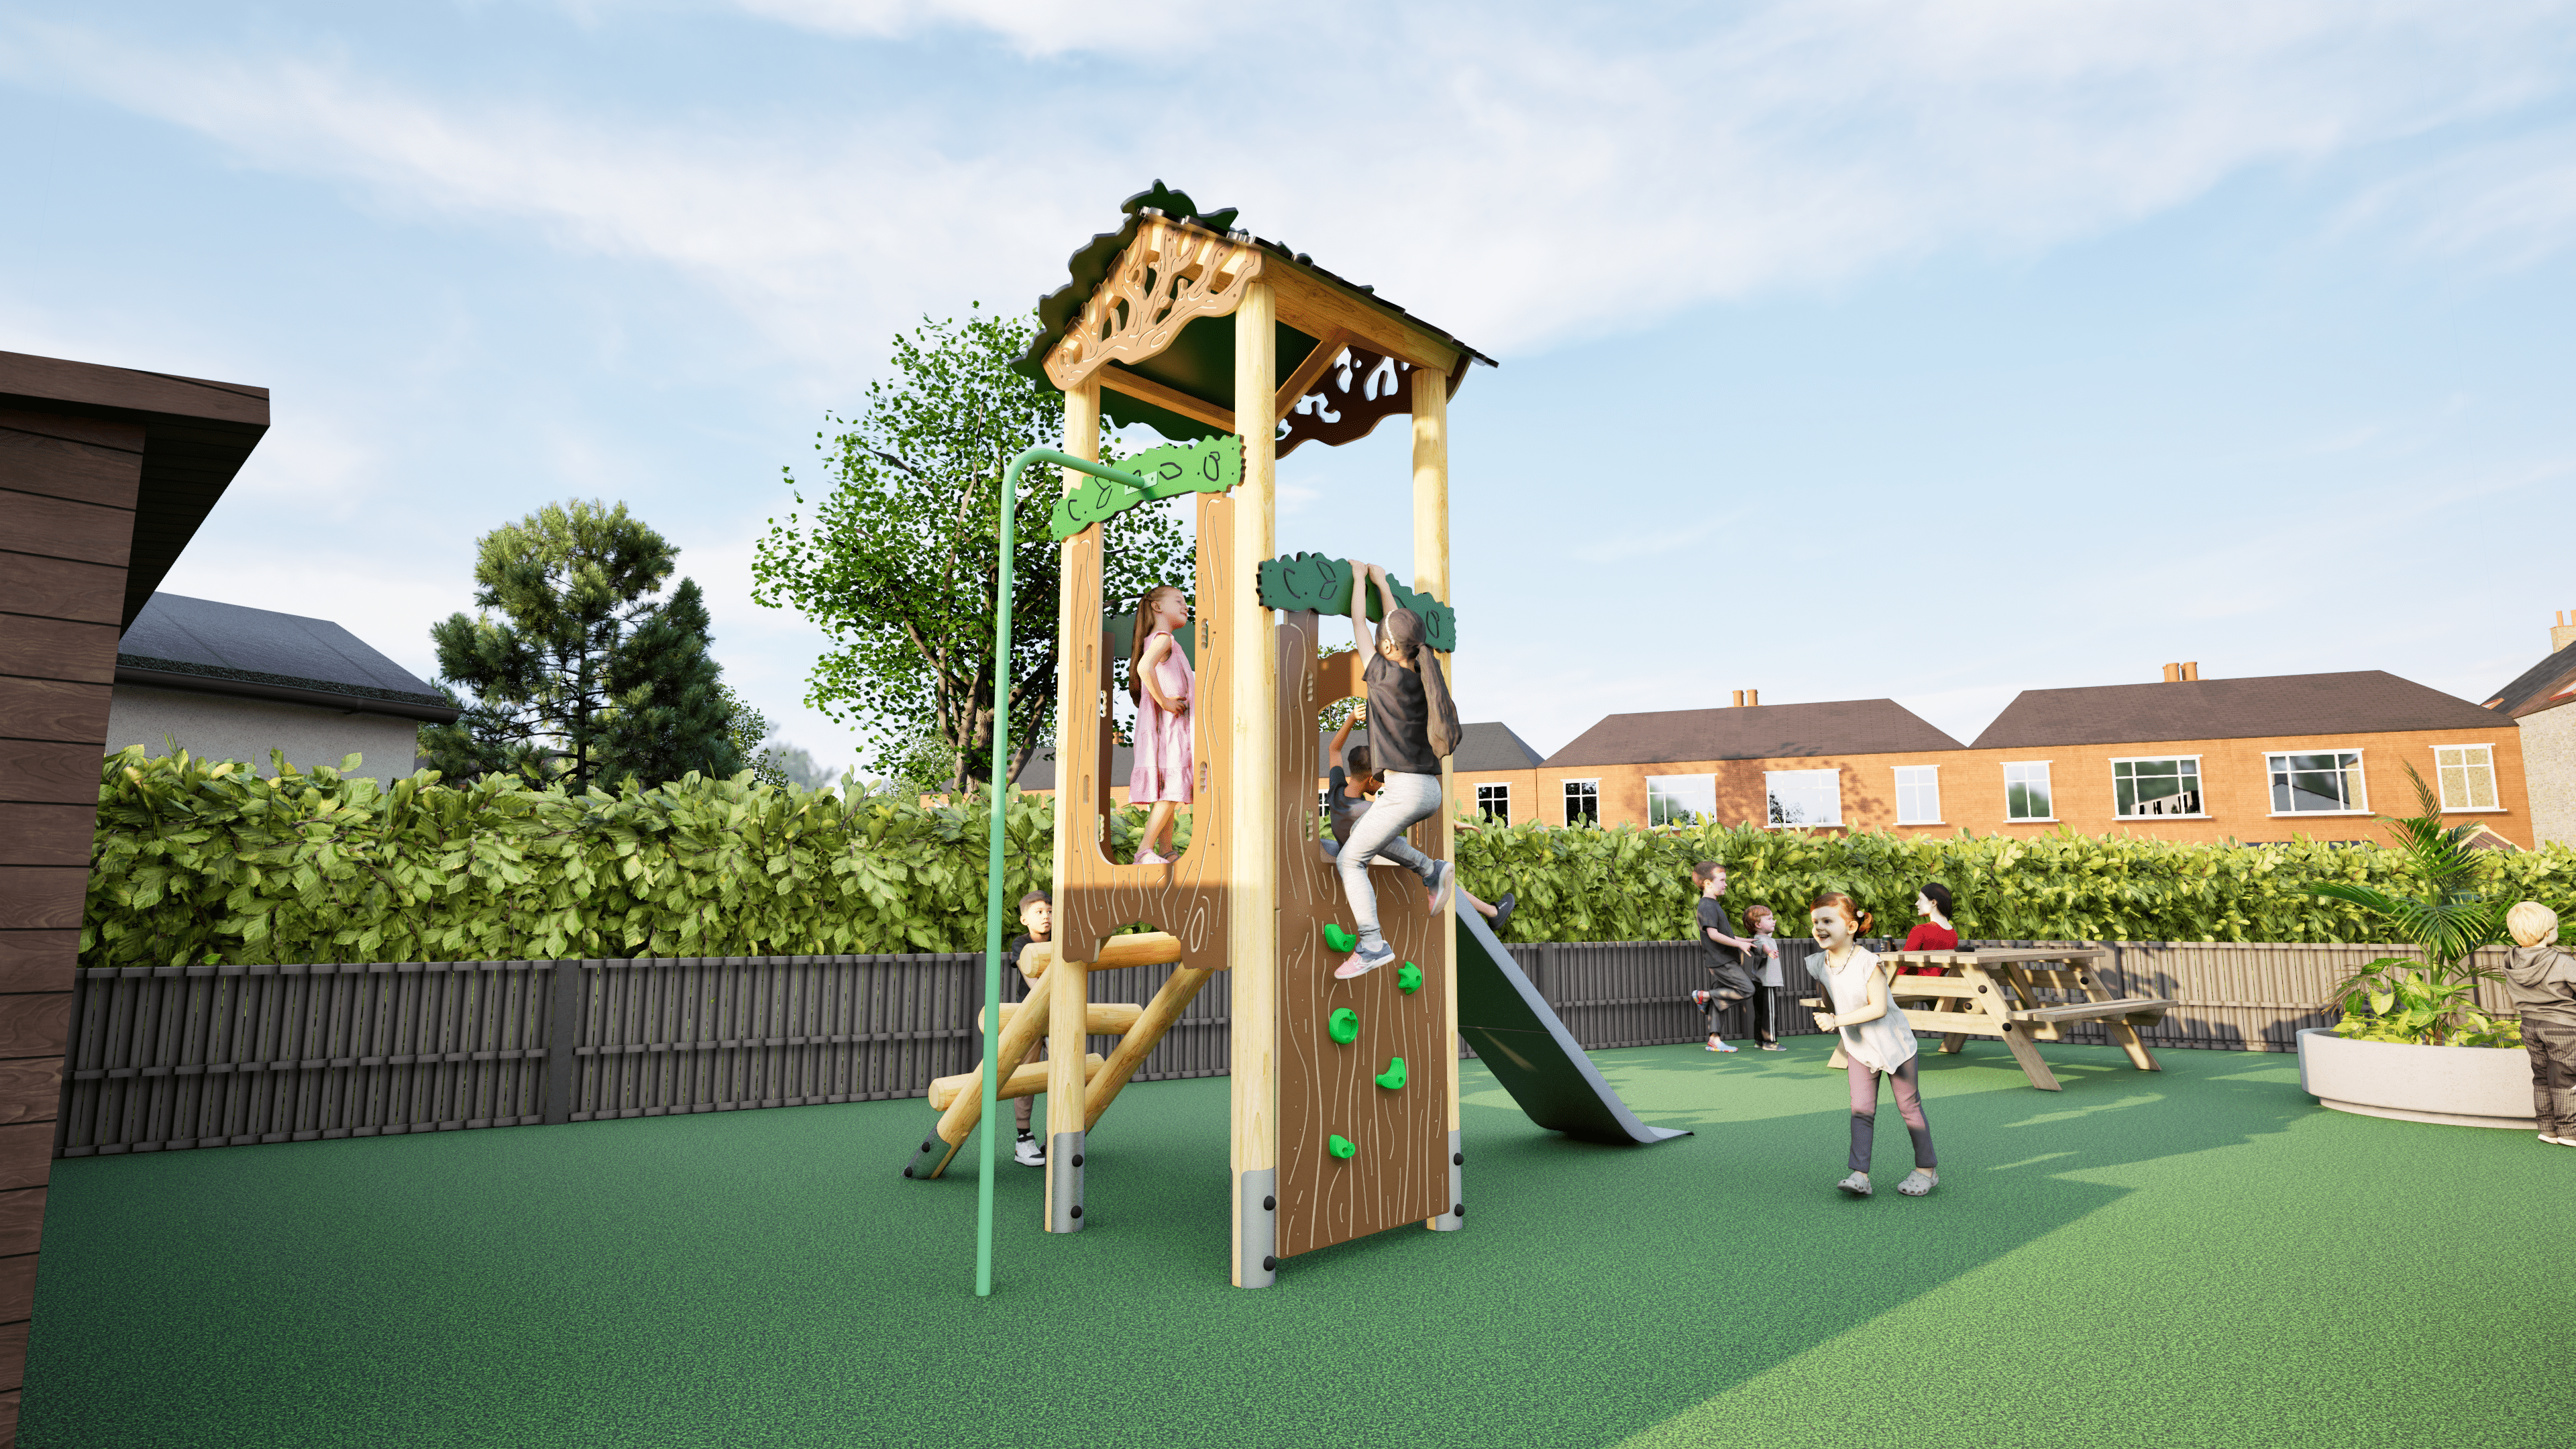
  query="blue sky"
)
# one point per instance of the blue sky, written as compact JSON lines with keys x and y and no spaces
{"x":1849,"y":349}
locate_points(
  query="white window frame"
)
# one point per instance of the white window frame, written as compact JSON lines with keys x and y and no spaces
{"x":2359,"y":767}
{"x":1901,"y":818}
{"x":1500,"y":787}
{"x":2494,"y":786}
{"x":1771,"y":800}
{"x":2047,"y":781}
{"x":2200,"y":786}
{"x":1669,"y":797}
{"x":1592,"y":789}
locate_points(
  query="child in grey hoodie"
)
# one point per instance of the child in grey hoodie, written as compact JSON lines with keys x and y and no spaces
{"x":2543,"y":979}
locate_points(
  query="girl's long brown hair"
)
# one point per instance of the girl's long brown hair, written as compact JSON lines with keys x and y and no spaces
{"x":1145,"y":631}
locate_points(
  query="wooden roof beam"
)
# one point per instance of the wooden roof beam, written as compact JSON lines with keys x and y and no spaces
{"x":1318,"y":308}
{"x":1170,"y":399}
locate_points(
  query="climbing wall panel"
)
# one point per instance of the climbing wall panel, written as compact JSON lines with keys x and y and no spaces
{"x":1398,"y":1172}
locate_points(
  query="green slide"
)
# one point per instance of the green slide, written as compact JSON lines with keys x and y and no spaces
{"x":1529,"y":1051}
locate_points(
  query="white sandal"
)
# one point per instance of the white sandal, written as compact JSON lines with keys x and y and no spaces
{"x":1857,"y":1184}
{"x":1919,"y":1182}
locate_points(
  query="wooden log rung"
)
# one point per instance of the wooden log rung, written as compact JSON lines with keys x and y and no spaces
{"x":1146,"y":948}
{"x":1028,"y":1081}
{"x":1100,"y":1018}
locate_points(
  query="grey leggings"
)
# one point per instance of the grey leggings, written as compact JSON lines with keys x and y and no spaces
{"x":1864,"y":1105}
{"x":1401,"y":800}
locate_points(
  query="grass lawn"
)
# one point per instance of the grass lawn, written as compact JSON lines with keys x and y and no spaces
{"x":2197,"y":1257}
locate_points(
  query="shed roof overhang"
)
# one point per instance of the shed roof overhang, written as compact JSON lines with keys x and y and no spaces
{"x":1170,"y":259}
{"x":196,"y":435}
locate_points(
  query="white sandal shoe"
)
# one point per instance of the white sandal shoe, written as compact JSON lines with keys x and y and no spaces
{"x":1857,"y":1184}
{"x":1919,"y":1182}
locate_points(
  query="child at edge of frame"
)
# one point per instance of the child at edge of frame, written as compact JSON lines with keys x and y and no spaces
{"x":1876,"y":1041}
{"x":1037,"y":922}
{"x":1729,"y":981}
{"x":2543,"y":981}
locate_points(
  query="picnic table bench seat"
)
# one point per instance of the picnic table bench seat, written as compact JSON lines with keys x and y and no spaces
{"x":2135,"y":1010}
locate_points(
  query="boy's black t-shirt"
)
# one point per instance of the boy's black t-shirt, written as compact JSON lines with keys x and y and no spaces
{"x":1015,"y":987}
{"x":1399,"y":719}
{"x":1345,"y":811}
{"x":1712,"y":916}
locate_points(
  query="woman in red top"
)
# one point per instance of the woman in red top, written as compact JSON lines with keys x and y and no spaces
{"x":1935,"y":933}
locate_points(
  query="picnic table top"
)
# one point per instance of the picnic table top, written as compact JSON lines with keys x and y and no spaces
{"x":1998,"y":955}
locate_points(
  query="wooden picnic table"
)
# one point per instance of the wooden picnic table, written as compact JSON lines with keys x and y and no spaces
{"x":1997,"y":993}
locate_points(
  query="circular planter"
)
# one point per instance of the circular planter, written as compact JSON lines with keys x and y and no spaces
{"x":2462,"y":1086}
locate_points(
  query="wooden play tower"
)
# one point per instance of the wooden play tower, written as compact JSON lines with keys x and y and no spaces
{"x":1199,"y":330}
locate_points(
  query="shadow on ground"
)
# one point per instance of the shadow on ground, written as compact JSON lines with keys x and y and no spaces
{"x":769,"y":1278}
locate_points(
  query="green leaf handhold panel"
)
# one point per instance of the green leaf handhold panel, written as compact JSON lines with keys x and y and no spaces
{"x":1393,"y":1077}
{"x":1211,"y":465}
{"x":1299,"y":582}
{"x":1341,"y":1147}
{"x":1409,"y":979}
{"x":1343,"y":1026}
{"x":1339,"y":939}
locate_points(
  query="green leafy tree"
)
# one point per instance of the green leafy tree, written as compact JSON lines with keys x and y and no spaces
{"x":580,"y":672}
{"x":748,"y":731}
{"x":897,"y":562}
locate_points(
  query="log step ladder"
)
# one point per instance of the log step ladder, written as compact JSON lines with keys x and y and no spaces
{"x":1025,"y":1023}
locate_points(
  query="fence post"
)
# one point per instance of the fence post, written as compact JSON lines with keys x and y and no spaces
{"x":563,"y":1026}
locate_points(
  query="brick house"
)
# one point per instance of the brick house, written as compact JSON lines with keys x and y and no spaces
{"x":2537,"y":702}
{"x":2243,"y":759}
{"x":1863,"y":763}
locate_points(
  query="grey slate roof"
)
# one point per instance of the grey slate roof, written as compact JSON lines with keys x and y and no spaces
{"x":178,"y":642}
{"x":2536,"y":688}
{"x":1491,"y":745}
{"x":1754,"y":732}
{"x":2363,"y":701}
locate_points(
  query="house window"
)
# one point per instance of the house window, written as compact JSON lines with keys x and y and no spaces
{"x":2156,"y":787}
{"x":1918,"y":794}
{"x":2319,"y":784}
{"x":1680,"y":799}
{"x":2467,"y":773}
{"x":1804,"y":797}
{"x":1582,"y":802}
{"x":2026,"y":794}
{"x":1495,"y":801}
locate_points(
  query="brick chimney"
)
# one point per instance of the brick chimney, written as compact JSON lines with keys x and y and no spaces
{"x":2182,"y":673}
{"x":2564,"y":632}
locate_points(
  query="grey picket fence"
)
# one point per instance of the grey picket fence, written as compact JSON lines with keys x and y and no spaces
{"x":215,"y":1056}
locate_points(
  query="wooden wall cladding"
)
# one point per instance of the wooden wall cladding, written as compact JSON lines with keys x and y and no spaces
{"x":68,"y":489}
{"x":1398,"y":1174}
{"x":1096,"y":897}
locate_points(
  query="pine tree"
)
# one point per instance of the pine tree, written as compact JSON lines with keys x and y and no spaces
{"x":585,"y":676}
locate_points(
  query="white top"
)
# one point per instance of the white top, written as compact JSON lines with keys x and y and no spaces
{"x":1882,"y":1045}
{"x":1770,"y":961}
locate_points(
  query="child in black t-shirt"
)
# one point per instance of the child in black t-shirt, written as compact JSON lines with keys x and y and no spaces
{"x":1037,"y":914}
{"x":1729,"y":981}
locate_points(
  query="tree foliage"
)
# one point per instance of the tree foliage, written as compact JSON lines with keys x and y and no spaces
{"x":897,"y":561}
{"x":579,"y":671}
{"x":2445,"y":916}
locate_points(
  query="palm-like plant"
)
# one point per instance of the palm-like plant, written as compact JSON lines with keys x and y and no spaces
{"x":2448,"y":922}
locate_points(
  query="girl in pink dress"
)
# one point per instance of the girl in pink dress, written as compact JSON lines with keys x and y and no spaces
{"x":1162,"y":683}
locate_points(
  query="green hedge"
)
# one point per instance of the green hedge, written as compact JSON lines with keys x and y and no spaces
{"x":199,"y":861}
{"x":1584,"y":884}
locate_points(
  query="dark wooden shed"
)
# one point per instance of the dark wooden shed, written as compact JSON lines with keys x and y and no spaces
{"x":105,"y":474}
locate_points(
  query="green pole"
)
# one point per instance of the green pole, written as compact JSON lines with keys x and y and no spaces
{"x":992,"y":1085}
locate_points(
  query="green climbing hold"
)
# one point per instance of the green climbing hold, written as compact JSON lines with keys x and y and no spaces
{"x":1344,"y":1026}
{"x":1409,"y":979}
{"x":1393,"y":1077}
{"x":1341,"y":1147}
{"x":1339,"y":939}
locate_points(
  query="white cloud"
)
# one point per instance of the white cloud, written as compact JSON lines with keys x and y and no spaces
{"x":1522,"y":176}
